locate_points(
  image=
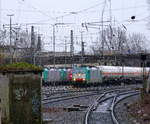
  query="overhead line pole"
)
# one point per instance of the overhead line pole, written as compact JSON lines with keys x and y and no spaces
{"x":82,"y":46}
{"x":54,"y":44}
{"x":72,"y":47}
{"x":0,"y":13}
{"x":54,"y":41}
{"x":103,"y":28}
{"x":65,"y":51}
{"x":10,"y":37}
{"x":10,"y":27}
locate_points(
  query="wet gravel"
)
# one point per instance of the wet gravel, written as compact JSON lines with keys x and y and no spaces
{"x":102,"y":114}
{"x":100,"y":118}
{"x":77,"y":117}
{"x":73,"y":117}
{"x":63,"y":95}
{"x":81,"y":100}
{"x":121,"y":110}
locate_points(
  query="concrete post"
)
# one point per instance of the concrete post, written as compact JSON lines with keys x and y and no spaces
{"x":148,"y":85}
{"x":0,"y":116}
{"x":0,"y":113}
{"x":25,"y":90}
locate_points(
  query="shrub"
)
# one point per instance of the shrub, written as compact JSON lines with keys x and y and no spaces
{"x":21,"y":66}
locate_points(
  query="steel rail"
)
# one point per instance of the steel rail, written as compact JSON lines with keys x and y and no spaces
{"x":114,"y":103}
{"x":100,"y":100}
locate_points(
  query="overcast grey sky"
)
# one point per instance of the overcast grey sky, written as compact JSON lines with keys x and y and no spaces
{"x":44,"y":12}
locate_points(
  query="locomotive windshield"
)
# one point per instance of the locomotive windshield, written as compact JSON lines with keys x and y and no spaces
{"x":79,"y":74}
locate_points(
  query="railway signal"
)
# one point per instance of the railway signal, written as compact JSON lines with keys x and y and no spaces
{"x":145,"y":81}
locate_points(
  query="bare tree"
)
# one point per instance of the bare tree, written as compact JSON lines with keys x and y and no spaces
{"x":116,"y":40}
{"x":137,"y":43}
{"x":113,"y":40}
{"x":20,"y":45}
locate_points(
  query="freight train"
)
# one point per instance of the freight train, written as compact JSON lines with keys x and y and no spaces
{"x":94,"y":75}
{"x":57,"y":76}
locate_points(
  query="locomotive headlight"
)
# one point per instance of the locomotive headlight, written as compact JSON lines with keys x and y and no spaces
{"x":74,"y":79}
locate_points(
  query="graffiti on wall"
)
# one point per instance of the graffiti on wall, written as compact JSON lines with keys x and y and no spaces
{"x":20,"y":93}
{"x":35,"y":100}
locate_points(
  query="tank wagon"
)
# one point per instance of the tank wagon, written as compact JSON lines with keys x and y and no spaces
{"x":117,"y":74}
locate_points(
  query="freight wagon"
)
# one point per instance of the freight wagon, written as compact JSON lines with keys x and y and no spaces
{"x":117,"y":74}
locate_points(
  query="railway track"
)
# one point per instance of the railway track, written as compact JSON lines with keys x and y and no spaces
{"x":111,"y":98}
{"x":66,"y":95}
{"x":66,"y":100}
{"x":54,"y":91}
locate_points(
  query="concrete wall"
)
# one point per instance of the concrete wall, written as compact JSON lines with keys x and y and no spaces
{"x":20,"y":96}
{"x":0,"y":117}
{"x":4,"y":95}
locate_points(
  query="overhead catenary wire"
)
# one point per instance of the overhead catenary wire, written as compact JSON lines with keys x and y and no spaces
{"x":128,"y":22}
{"x":66,"y":12}
{"x":76,"y":12}
{"x":55,"y":18}
{"x":84,"y":10}
{"x":81,"y":11}
{"x":36,"y":9}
